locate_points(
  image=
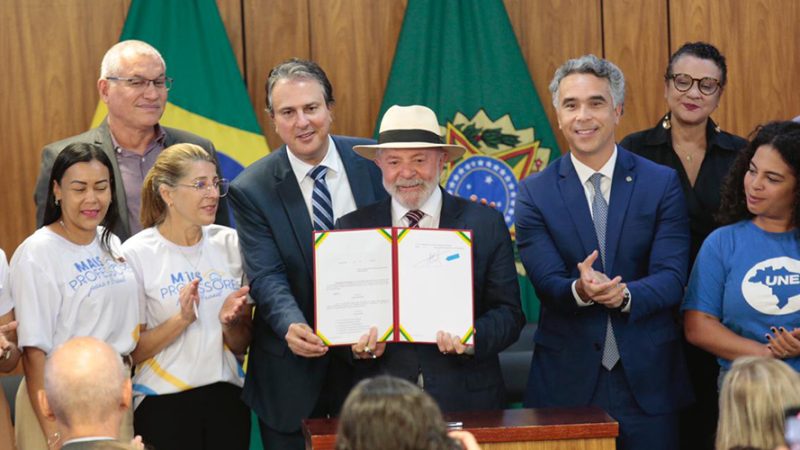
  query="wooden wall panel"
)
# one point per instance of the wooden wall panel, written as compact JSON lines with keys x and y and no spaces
{"x":274,"y":30}
{"x":635,"y":37}
{"x":761,"y":41}
{"x":354,"y":41}
{"x":549,"y":33}
{"x":231,"y":13}
{"x":52,"y":50}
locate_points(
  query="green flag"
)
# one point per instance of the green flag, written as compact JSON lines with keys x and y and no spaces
{"x":461,"y":59}
{"x":208,"y":97}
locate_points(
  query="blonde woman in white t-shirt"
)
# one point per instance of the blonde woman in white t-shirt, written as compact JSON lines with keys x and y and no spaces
{"x":195,"y":317}
{"x":69,"y":279}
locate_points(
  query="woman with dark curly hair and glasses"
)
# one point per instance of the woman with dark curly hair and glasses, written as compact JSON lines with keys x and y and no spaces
{"x":689,"y":141}
{"x":744,"y":292}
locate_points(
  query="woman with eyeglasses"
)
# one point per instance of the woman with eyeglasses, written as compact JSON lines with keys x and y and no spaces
{"x":687,"y":140}
{"x":194,"y":310}
{"x":69,"y":279}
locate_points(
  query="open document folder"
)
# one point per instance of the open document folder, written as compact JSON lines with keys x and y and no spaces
{"x":410,"y":283}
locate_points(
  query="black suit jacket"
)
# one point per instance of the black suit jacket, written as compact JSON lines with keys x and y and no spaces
{"x":275,"y":235}
{"x":460,"y":383}
{"x":101,"y":136}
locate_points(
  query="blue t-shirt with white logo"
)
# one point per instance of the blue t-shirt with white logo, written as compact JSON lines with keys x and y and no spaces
{"x":750,"y":279}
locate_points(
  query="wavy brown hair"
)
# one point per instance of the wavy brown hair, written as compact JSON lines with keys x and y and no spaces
{"x":388,"y":412}
{"x":783,"y":137}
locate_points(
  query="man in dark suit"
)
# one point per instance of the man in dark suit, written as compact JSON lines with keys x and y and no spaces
{"x":411,"y":157}
{"x":87,"y":391}
{"x":604,"y":237}
{"x":292,"y":375}
{"x":133,"y":84}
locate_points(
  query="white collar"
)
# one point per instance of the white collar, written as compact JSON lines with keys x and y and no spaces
{"x":585,"y":172}
{"x":432,"y":206}
{"x":332,"y":161}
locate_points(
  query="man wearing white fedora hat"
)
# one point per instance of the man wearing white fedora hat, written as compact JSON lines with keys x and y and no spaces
{"x":411,"y":156}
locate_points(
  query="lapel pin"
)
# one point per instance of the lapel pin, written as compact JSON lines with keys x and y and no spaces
{"x":628,"y":179}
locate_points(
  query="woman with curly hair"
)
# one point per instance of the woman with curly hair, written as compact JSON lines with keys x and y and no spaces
{"x":743,"y":297}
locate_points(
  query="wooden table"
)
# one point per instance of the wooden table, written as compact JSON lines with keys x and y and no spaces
{"x":584,"y":428}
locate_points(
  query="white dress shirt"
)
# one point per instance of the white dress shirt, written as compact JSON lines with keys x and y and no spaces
{"x":432,"y":209}
{"x":336,"y":178}
{"x":584,"y":173}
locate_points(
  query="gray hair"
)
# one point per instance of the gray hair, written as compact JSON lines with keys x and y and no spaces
{"x":84,"y":380}
{"x":112,"y":60}
{"x":590,"y":64}
{"x":299,"y":69}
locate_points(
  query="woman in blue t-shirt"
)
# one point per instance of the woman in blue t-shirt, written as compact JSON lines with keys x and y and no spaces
{"x":744,"y":292}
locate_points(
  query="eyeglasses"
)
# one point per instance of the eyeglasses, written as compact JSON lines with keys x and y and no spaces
{"x":222,"y":185}
{"x":684,"y":82}
{"x":140,"y":84}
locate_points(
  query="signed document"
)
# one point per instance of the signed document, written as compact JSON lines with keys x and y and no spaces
{"x":409,"y":283}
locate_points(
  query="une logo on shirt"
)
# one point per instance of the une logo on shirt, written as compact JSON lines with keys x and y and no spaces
{"x":773,"y":286}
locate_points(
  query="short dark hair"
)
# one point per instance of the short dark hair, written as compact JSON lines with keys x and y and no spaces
{"x":783,"y":137}
{"x":702,"y":50}
{"x":72,"y":154}
{"x":298,"y":69}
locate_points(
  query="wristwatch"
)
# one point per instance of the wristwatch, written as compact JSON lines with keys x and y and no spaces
{"x":626,"y":298}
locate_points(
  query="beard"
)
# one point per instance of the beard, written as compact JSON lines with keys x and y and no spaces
{"x":411,"y":199}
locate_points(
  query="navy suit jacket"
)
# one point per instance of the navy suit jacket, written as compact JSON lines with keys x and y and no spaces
{"x":647,"y":243}
{"x":460,"y":383}
{"x":275,"y":235}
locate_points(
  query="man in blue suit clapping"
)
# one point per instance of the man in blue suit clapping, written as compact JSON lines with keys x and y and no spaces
{"x":604,"y":237}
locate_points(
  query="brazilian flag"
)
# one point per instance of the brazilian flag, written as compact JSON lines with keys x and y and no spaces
{"x":208,"y":97}
{"x":461,"y":59}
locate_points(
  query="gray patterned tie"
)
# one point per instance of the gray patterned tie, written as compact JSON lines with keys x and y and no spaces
{"x":321,"y":206}
{"x":600,"y":217}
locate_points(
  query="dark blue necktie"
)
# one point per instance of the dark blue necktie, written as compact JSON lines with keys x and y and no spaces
{"x":321,"y":205}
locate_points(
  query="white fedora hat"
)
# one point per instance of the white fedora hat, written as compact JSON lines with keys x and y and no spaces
{"x":409,"y":127}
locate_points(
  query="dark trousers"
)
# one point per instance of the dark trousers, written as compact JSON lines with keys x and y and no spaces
{"x":204,"y":418}
{"x":637,"y":429}
{"x":699,"y":421}
{"x":338,"y":381}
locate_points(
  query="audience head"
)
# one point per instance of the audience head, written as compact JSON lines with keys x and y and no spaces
{"x":182,"y":183}
{"x":385,"y":410}
{"x":300,"y":102}
{"x":410,"y":153}
{"x":774,"y":147}
{"x":694,"y":81}
{"x":82,"y":190}
{"x":133,"y":84}
{"x":754,"y":395}
{"x":588,"y":94}
{"x":86,"y":385}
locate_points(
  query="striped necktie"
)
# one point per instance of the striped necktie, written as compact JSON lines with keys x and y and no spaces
{"x":600,"y":218}
{"x":321,"y":205}
{"x":414,"y":216}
